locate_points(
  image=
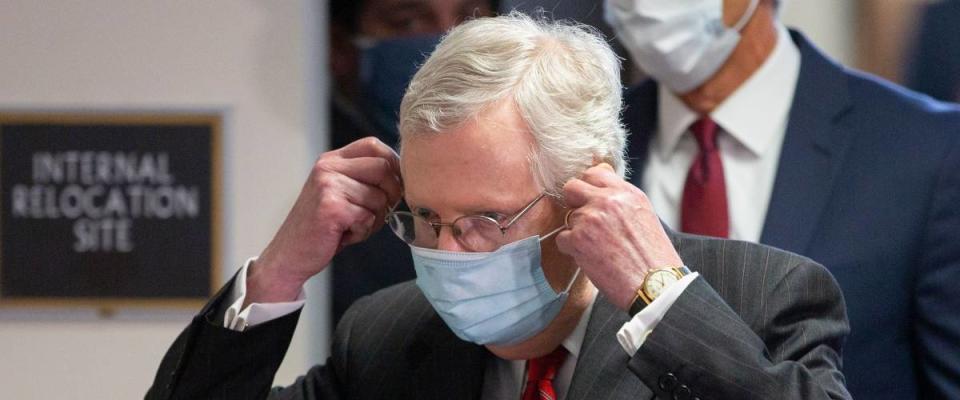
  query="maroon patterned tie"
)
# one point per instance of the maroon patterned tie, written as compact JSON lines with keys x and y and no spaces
{"x":540,"y":374}
{"x":703,"y":209}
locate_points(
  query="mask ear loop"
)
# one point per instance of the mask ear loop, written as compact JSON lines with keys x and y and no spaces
{"x":566,"y":224}
{"x":747,"y":15}
{"x":572,"y":281}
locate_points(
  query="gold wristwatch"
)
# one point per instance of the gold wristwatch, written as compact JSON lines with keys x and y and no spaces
{"x":655,"y":283}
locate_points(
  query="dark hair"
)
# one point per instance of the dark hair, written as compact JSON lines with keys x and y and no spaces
{"x":346,"y":13}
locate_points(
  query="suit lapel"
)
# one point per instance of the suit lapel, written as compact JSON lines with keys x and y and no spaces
{"x":601,"y":371}
{"x":445,"y":367}
{"x":813,"y":150}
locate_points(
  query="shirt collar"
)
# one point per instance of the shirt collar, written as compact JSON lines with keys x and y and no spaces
{"x":758,"y":107}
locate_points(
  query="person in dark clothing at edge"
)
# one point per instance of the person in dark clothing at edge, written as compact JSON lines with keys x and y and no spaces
{"x":934,"y":62}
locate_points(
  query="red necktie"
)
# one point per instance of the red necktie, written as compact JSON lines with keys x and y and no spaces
{"x":703,"y":210}
{"x":540,"y":374}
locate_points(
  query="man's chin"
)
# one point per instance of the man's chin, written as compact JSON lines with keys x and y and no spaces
{"x":538,"y":345}
{"x":547,"y":340}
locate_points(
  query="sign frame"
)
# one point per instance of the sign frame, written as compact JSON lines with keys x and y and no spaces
{"x":213,"y":119}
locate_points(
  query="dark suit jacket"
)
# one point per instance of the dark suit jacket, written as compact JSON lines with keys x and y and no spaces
{"x":759,"y":324}
{"x":868,"y":185}
{"x":935,"y":60}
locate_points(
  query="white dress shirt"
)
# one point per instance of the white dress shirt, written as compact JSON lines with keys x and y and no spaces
{"x":504,"y":379}
{"x":255,"y":313}
{"x":753,"y":121}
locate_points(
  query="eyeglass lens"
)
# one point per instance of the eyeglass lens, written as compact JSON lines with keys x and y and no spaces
{"x":475,"y":233}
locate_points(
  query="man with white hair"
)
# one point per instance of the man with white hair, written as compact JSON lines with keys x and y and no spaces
{"x":541,"y":272}
{"x":749,"y":132}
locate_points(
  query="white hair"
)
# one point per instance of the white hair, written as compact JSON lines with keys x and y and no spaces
{"x":562,"y":76}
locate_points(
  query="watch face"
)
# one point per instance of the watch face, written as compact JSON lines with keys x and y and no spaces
{"x":658,"y":281}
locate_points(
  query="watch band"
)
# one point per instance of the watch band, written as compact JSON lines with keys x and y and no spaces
{"x":639,"y":303}
{"x":637,"y":306}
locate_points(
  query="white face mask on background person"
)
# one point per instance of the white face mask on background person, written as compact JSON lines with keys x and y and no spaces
{"x":500,"y":297}
{"x":680,"y":43}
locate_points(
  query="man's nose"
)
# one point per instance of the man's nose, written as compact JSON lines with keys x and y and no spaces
{"x":447,"y":241}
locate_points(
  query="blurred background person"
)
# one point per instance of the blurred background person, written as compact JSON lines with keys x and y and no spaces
{"x":934,"y":64}
{"x":375,"y":48}
{"x":750,"y":132}
{"x":589,"y":12}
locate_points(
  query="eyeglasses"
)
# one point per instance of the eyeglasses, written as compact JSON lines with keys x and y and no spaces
{"x":476,"y":233}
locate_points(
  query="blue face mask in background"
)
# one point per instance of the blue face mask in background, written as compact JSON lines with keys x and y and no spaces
{"x":498,"y":298}
{"x":386,"y":68}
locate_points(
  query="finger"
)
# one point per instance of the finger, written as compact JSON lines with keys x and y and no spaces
{"x":576,"y":193}
{"x":371,"y":147}
{"x":564,"y":241}
{"x":360,"y":228}
{"x":372,"y":171}
{"x":370,"y":197}
{"x":378,"y":207}
{"x":572,"y":220}
{"x":601,"y":175}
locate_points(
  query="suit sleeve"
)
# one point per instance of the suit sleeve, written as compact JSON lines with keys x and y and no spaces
{"x":208,"y":361}
{"x":703,"y":349}
{"x":937,"y":328}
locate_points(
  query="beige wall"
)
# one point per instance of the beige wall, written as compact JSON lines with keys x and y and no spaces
{"x":257,"y":62}
{"x":870,"y":35}
{"x":828,"y":23}
{"x":886,"y":30}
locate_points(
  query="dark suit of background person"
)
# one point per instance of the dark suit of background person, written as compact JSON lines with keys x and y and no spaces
{"x":934,"y":65}
{"x":368,"y":82}
{"x":868,"y":184}
{"x":392,"y":345}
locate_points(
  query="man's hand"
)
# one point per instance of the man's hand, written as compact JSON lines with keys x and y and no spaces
{"x":344,"y":200}
{"x":613,"y":234}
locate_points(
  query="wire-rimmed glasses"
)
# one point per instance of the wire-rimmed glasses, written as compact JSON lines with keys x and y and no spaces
{"x":476,"y":233}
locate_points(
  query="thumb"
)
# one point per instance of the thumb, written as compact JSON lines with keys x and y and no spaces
{"x":564,"y":241}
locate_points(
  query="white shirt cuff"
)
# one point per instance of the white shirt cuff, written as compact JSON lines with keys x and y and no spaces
{"x":633,"y":333}
{"x":255,"y":313}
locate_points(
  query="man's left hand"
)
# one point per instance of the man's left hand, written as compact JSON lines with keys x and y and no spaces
{"x":613,"y":234}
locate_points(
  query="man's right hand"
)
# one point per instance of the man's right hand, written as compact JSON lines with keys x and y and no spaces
{"x":343,"y":201}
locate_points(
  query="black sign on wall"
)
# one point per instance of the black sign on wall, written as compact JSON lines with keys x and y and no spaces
{"x":108,"y":208}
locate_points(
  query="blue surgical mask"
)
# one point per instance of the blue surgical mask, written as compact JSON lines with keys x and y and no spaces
{"x":680,"y":43}
{"x":497,"y":298}
{"x":386,"y":68}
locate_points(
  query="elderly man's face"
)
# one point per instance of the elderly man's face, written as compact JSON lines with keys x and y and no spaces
{"x":483,"y":167}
